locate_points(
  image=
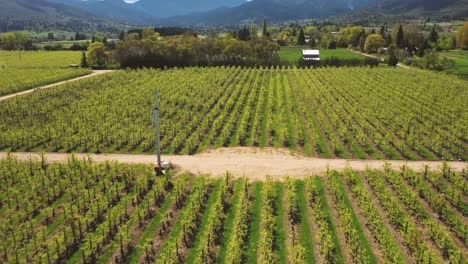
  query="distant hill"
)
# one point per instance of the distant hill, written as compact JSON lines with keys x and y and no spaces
{"x":43,"y":14}
{"x":455,"y":8}
{"x":273,"y":10}
{"x":118,"y":10}
{"x":39,"y":9}
{"x":25,"y":13}
{"x":169,"y":8}
{"x":283,"y":10}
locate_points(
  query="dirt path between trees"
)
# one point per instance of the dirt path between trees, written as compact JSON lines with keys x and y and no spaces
{"x":380,"y":59}
{"x":94,"y":73}
{"x":254,"y":163}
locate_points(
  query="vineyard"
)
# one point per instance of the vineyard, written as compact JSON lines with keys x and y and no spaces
{"x":35,"y":69}
{"x":17,"y":80}
{"x":365,"y":113}
{"x":86,"y":212}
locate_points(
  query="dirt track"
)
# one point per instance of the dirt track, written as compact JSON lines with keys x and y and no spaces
{"x":375,"y":57}
{"x":252,"y":162}
{"x":94,"y":73}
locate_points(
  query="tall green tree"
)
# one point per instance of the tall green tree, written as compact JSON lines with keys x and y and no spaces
{"x":392,"y":58}
{"x":422,"y":48}
{"x":400,"y":40}
{"x":382,"y":31}
{"x":301,"y":38}
{"x":243,"y":34}
{"x":434,"y":35}
{"x":84,"y":61}
{"x":264,"y":28}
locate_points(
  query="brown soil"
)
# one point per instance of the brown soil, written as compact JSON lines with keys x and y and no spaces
{"x":254,"y":163}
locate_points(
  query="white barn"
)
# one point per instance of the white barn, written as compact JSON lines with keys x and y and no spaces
{"x":311,"y":55}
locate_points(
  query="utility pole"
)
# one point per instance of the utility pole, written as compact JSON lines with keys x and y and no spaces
{"x":156,"y":124}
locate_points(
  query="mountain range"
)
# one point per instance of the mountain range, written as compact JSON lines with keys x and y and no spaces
{"x":222,"y":12}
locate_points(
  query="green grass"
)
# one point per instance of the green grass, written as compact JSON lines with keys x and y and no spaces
{"x":357,"y":225}
{"x":331,"y":225}
{"x":39,"y":59}
{"x":293,"y":54}
{"x":280,"y":229}
{"x":196,"y":247}
{"x":150,"y":229}
{"x":254,"y":232}
{"x":229,"y":221}
{"x":461,"y":62}
{"x":305,"y":235}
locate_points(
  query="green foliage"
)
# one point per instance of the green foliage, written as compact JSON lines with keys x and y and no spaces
{"x":35,"y":69}
{"x":400,"y":41}
{"x":462,"y":37}
{"x":82,"y":211}
{"x":373,"y":43}
{"x":301,"y":41}
{"x":17,"y":40}
{"x":17,"y":80}
{"x":84,"y":61}
{"x":264,"y":28}
{"x":231,"y":93}
{"x":183,"y":51}
{"x":358,"y":244}
{"x":392,"y":58}
{"x":433,"y":35}
{"x":353,"y":35}
{"x":97,"y":54}
{"x":432,"y":60}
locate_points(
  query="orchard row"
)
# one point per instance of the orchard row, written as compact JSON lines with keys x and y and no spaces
{"x":85,"y":212}
{"x":365,"y":113}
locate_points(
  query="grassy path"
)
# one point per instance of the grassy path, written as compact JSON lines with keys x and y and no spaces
{"x":254,"y":232}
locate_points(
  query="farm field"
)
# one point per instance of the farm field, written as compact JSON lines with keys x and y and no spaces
{"x":17,"y":80}
{"x":461,"y":62}
{"x":365,"y":113}
{"x":294,"y":54}
{"x":85,"y":212}
{"x":36,"y":69}
{"x":39,"y":59}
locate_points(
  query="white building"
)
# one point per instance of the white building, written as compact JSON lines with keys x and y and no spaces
{"x":311,"y":55}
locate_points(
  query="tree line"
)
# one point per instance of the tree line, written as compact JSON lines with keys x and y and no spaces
{"x":147,"y":48}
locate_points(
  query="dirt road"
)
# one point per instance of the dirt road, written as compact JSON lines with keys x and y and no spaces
{"x":252,"y":162}
{"x":381,"y":59}
{"x":94,"y":73}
